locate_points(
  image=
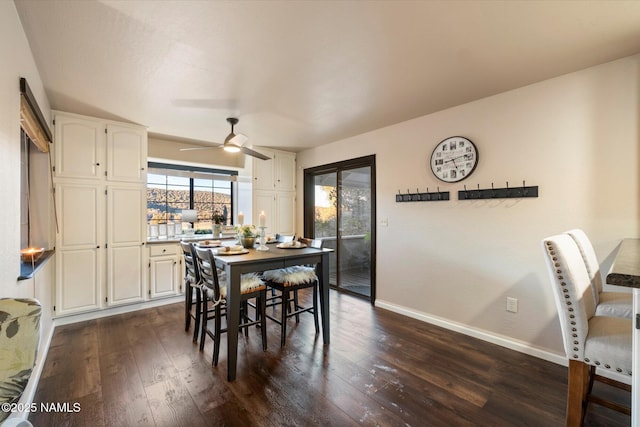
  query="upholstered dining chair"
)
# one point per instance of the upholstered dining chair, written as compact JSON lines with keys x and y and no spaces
{"x":214,"y":304}
{"x":608,"y":303}
{"x":590,"y":341}
{"x":288,"y":281}
{"x":192,"y":289}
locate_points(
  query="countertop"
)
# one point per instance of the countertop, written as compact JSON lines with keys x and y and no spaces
{"x":190,"y":238}
{"x":625,"y":270}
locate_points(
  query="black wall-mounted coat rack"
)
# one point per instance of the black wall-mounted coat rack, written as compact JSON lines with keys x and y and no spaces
{"x":435,"y":196}
{"x":498,"y":193}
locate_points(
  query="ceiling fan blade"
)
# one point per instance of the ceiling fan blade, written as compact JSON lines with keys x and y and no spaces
{"x":239,"y":139}
{"x":197,"y":148}
{"x":252,"y":153}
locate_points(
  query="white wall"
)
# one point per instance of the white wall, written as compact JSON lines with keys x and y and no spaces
{"x":17,"y":62}
{"x":575,"y":136}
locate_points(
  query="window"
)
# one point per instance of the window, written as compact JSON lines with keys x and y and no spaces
{"x":172,"y":188}
{"x":24,"y":190}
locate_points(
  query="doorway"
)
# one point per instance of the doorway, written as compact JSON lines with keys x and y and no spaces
{"x":339,"y":208}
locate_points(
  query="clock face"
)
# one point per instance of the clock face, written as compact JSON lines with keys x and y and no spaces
{"x":454,"y":159}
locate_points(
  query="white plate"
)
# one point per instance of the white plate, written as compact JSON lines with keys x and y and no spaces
{"x":290,"y":246}
{"x":240,"y":252}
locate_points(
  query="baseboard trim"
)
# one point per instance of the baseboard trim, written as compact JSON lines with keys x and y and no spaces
{"x":501,"y":340}
{"x":111,"y":311}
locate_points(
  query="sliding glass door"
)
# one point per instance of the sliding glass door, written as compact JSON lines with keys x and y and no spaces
{"x":340,"y":210}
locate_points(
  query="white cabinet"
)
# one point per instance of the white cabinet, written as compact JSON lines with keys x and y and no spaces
{"x":126,"y":153}
{"x":274,"y":191}
{"x":79,"y":248}
{"x":285,"y":204}
{"x":126,"y":233}
{"x":164,"y":270}
{"x":79,"y":148}
{"x":88,"y":148}
{"x":277,"y":173}
{"x":100,"y":189}
{"x":285,"y":171}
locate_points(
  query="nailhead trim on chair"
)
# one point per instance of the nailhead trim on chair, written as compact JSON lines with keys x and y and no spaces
{"x":571,"y":316}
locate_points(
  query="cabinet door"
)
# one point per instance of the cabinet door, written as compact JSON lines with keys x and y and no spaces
{"x":263,"y":172}
{"x":79,"y":147}
{"x":80,"y":216}
{"x":78,"y":277}
{"x":264,"y":201}
{"x":285,"y":212}
{"x":126,"y":212}
{"x":126,"y":153}
{"x":125,"y":274}
{"x":285,"y":169}
{"x":163,"y":277}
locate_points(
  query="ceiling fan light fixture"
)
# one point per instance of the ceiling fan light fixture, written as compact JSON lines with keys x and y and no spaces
{"x":230,"y":148}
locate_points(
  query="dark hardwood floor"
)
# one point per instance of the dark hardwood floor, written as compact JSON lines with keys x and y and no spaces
{"x":141,"y":369}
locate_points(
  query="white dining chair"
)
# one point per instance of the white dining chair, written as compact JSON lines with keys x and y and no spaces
{"x":590,"y":341}
{"x":608,"y":303}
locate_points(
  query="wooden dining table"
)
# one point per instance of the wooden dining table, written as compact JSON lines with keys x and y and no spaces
{"x":257,"y":261}
{"x":625,"y":271}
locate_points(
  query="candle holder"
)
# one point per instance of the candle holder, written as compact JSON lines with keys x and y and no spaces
{"x":263,"y":238}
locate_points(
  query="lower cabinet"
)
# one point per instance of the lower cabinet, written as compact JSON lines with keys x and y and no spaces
{"x":125,"y":283}
{"x":78,"y":275}
{"x":165,"y":270}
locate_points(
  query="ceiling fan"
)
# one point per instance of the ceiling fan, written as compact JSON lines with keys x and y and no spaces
{"x":233,"y":143}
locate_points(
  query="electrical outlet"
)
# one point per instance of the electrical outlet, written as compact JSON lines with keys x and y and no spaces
{"x":512,"y":305}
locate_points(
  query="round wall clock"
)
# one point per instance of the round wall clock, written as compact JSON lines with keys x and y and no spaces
{"x":454,"y":159}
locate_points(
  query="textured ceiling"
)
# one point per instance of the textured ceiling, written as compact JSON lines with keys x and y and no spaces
{"x":304,"y":73}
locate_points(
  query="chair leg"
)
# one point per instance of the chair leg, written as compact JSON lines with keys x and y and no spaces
{"x":217,"y":333}
{"x":283,"y":317}
{"x":188,"y":302}
{"x":196,"y":327}
{"x":296,"y":306}
{"x":315,"y":309}
{"x":204,"y":313}
{"x":577,"y":392}
{"x":244,"y":316}
{"x":262,"y":301}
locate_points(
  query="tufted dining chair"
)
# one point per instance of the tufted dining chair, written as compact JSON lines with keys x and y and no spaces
{"x":590,"y":341}
{"x":214,"y":304}
{"x":289,"y":281}
{"x":192,"y":289}
{"x":608,"y":303}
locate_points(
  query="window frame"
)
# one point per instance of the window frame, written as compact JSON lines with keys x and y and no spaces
{"x":194,"y":173}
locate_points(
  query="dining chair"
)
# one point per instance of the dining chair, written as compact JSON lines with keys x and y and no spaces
{"x":214,"y":304}
{"x":290,"y":280}
{"x":590,"y":341}
{"x":191,"y":286}
{"x":608,"y":303}
{"x":275,"y":300}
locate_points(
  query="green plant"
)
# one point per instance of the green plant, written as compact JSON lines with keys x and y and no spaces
{"x":247,"y":231}
{"x":218,"y":218}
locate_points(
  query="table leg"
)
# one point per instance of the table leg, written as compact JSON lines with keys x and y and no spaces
{"x":324,"y":296}
{"x":233,"y":319}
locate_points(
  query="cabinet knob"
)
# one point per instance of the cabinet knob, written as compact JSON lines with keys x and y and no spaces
{"x":98,"y":247}
{"x":164,"y":250}
{"x":97,"y":164}
{"x":141,"y":169}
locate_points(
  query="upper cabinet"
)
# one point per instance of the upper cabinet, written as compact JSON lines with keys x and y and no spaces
{"x":278,"y":173}
{"x":83,"y":151}
{"x":98,"y":149}
{"x":126,"y":153}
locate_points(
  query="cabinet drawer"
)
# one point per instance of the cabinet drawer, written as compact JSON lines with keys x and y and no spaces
{"x":158,"y":250}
